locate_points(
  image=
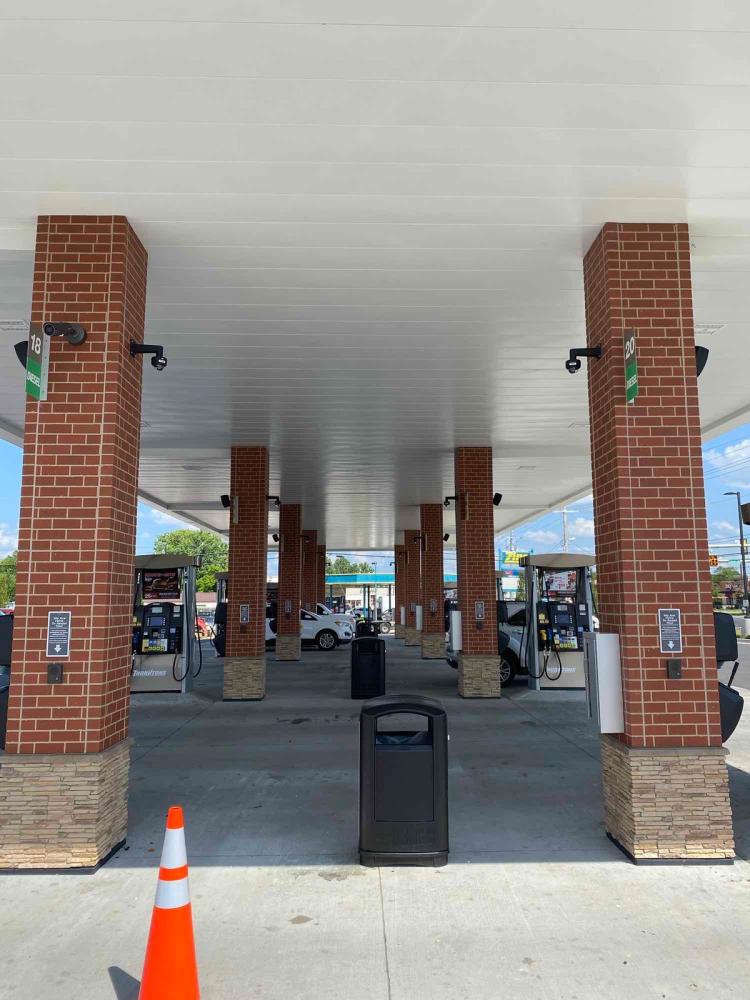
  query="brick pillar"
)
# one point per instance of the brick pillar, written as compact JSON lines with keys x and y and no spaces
{"x":478,"y":661}
{"x":321,"y":575}
{"x":413,"y":588}
{"x":309,"y":585}
{"x":433,"y":617}
{"x":665,"y":779}
{"x":64,"y":777}
{"x":288,"y":643}
{"x":245,"y":660}
{"x":399,"y":568}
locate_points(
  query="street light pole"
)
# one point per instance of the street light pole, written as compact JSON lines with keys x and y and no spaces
{"x":736,"y":493}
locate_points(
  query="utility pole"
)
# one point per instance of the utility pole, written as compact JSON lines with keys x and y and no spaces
{"x":736,"y":493}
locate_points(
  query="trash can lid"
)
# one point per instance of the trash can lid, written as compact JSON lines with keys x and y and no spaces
{"x":407,"y":704}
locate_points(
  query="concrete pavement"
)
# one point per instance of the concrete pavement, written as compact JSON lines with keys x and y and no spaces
{"x":535,"y":903}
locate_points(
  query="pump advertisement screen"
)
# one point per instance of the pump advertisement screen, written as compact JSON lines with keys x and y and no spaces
{"x":161,"y":585}
{"x":561,"y":582}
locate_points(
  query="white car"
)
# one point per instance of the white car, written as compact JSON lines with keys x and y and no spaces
{"x":323,"y":609}
{"x":325,"y":631}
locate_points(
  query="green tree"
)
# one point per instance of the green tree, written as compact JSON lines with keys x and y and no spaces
{"x":722,"y":577}
{"x":8,"y":579}
{"x":213,"y":551}
{"x":341,"y":565}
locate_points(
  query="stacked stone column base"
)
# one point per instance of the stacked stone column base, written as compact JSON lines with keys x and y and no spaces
{"x":478,"y":676}
{"x":399,"y":631}
{"x":244,"y":678}
{"x":288,"y":647}
{"x":63,"y":810}
{"x":412,"y":636}
{"x":433,"y":645}
{"x":668,"y":804}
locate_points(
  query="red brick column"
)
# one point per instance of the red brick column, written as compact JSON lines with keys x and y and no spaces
{"x":64,"y":778}
{"x":288,"y":644}
{"x":245,"y":660}
{"x":478,"y":662}
{"x":433,"y":618}
{"x":399,"y":568}
{"x":413,"y":588}
{"x":652,"y":546}
{"x":321,"y":575}
{"x":309,"y":570}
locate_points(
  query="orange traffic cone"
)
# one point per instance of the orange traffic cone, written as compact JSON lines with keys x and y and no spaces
{"x":170,"y":971}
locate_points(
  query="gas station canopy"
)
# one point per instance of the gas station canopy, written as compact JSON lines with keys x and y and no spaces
{"x":365,"y":226}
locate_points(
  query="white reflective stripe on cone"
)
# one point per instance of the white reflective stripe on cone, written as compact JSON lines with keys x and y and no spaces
{"x":171,"y":895}
{"x":173,"y":853}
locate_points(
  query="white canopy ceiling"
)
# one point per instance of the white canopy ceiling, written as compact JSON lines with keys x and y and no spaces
{"x":365,"y":224}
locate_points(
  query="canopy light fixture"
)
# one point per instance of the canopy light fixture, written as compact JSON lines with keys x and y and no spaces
{"x":701,"y":357}
{"x":74,"y":333}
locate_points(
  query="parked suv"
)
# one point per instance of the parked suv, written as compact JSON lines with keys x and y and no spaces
{"x":323,"y":631}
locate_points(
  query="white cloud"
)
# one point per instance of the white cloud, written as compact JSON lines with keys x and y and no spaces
{"x":582,"y":527}
{"x":732,"y":455}
{"x":8,"y":540}
{"x":168,"y":520}
{"x":724,"y":528}
{"x":542,"y":537}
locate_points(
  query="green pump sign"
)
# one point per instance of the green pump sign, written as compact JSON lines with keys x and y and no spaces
{"x":631,"y":367}
{"x":37,"y":363}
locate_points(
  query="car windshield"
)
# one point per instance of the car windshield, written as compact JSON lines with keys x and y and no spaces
{"x":518,"y":618}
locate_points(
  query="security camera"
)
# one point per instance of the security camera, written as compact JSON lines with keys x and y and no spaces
{"x":275,"y":537}
{"x":74,"y":333}
{"x":226,"y":501}
{"x":447,"y":501}
{"x":497,"y":499}
{"x":573,"y":364}
{"x":446,"y":536}
{"x":158,"y":360}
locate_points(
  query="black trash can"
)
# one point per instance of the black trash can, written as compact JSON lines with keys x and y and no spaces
{"x":403,"y":784}
{"x":368,"y":667}
{"x":4,"y":694}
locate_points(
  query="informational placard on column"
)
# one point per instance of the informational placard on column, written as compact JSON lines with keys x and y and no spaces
{"x":58,"y":634}
{"x":670,"y":630}
{"x":631,"y":367}
{"x":37,"y":363}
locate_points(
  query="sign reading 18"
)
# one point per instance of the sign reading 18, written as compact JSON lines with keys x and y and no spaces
{"x":36,"y":343}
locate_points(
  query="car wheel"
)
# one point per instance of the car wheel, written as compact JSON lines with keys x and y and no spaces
{"x":326,"y":639}
{"x":508,"y":668}
{"x":385,"y":627}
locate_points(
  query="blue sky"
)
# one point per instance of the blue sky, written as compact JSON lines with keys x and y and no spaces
{"x":727,"y":467}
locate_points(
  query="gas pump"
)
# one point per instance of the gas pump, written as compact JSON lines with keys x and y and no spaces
{"x":166,"y":652}
{"x":220,"y":616}
{"x":559,"y":608}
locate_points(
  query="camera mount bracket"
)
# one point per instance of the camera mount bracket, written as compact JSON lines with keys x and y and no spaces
{"x":573,"y":363}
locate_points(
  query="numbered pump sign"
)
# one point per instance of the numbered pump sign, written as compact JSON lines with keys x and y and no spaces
{"x":37,"y":363}
{"x":631,"y":367}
